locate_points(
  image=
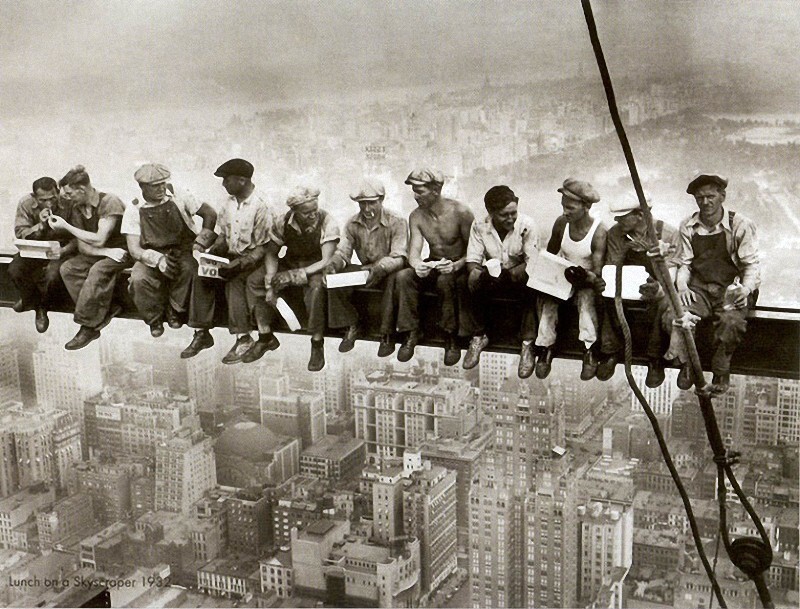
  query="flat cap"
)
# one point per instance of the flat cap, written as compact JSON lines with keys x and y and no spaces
{"x":497,"y":197}
{"x":579,"y":191}
{"x":235,"y":167}
{"x":152,"y":173}
{"x":425,"y":175}
{"x":370,"y":189}
{"x":628,"y":203}
{"x":302,"y":194}
{"x":702,"y":179}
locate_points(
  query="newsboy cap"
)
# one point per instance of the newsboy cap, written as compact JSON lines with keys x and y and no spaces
{"x":425,"y":175}
{"x":628,"y":203}
{"x":701,"y":179}
{"x":579,"y":190}
{"x":235,"y":167}
{"x":370,"y":189}
{"x":302,"y":194}
{"x":152,"y":173}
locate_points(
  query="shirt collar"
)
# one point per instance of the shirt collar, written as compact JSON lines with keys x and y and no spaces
{"x":296,"y":226}
{"x":167,"y":197}
{"x":93,"y":200}
{"x":491,"y":227}
{"x":383,"y":220}
{"x":725,"y":221}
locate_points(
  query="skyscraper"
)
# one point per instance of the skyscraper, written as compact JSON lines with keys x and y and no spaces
{"x":185,"y":470}
{"x":10,"y":389}
{"x":429,"y":514}
{"x":297,"y":413}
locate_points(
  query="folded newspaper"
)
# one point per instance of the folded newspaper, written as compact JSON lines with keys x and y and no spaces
{"x":209,"y":265}
{"x":546,"y":274}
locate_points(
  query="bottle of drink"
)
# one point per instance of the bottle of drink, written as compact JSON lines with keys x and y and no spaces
{"x":732,"y":292}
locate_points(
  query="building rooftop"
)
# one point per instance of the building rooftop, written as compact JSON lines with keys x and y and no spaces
{"x":320,"y":527}
{"x":359,"y":550}
{"x":333,"y":447}
{"x":250,"y":441}
{"x":106,"y":534}
{"x":234,"y":566}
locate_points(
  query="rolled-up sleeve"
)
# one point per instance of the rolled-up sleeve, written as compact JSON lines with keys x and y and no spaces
{"x":330,"y":230}
{"x":276,"y":234}
{"x":398,"y":247}
{"x":747,"y":253}
{"x":24,"y":223}
{"x":475,"y":247}
{"x":262,"y":226}
{"x":684,"y":253}
{"x":130,"y":221}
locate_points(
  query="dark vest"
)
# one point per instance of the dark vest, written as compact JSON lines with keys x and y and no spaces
{"x":303,"y":248}
{"x":163,"y":228}
{"x":712,"y":263}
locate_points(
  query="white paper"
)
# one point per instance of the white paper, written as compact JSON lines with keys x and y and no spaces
{"x":633,"y":276}
{"x":546,"y":274}
{"x":344,"y":280}
{"x":43,"y":250}
{"x":288,"y":315}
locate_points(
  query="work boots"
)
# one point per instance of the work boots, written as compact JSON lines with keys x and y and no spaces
{"x":589,"y":367}
{"x":317,"y":360}
{"x":202,"y":340}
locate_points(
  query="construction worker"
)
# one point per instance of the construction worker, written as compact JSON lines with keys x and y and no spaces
{"x":380,"y":240}
{"x":445,"y":225}
{"x":90,"y":276}
{"x":718,"y":275}
{"x":507,"y":240}
{"x":310,"y":235}
{"x":626,"y":244}
{"x":244,"y":220}
{"x":581,"y":239}
{"x":161,"y":233}
{"x":39,"y":281}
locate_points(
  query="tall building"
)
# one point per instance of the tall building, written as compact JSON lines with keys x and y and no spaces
{"x":605,"y":545}
{"x":429,"y":514}
{"x":395,"y":411}
{"x":529,"y":425}
{"x":550,"y":542}
{"x":248,"y":514}
{"x":10,"y":388}
{"x":659,"y":398}
{"x":125,"y":424}
{"x":387,"y":505}
{"x":64,"y":379}
{"x":464,"y":458}
{"x":334,"y":458}
{"x":185,"y":470}
{"x":788,"y":412}
{"x":38,"y":445}
{"x":108,"y":483}
{"x":249,"y":454}
{"x":332,"y":384}
{"x":297,"y":413}
{"x":71,"y":517}
{"x":493,"y":370}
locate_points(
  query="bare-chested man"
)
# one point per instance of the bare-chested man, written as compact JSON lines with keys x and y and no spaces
{"x":444,"y":224}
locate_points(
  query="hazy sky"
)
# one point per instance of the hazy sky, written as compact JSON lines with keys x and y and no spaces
{"x":94,"y":54}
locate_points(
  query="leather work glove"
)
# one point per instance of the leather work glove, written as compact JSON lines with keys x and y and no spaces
{"x":650,"y":290}
{"x":229,"y":270}
{"x":292,"y":277}
{"x":168,"y":266}
{"x":204,"y":240}
{"x":376,"y":274}
{"x":577,"y":276}
{"x":518,"y":274}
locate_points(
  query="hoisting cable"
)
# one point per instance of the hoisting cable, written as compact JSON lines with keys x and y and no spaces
{"x":751,"y":555}
{"x":662,"y":443}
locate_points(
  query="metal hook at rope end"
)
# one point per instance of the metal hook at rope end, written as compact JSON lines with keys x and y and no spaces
{"x":753,"y":556}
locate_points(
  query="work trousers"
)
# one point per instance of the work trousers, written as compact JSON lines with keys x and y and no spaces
{"x":729,"y":326}
{"x":314,"y":299}
{"x":203,"y":304}
{"x":454,"y":313}
{"x":611,"y":338}
{"x":504,"y":286}
{"x":587,"y":318}
{"x":151,"y":290}
{"x":342,"y":313}
{"x":37,"y":281}
{"x":90,"y":281}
